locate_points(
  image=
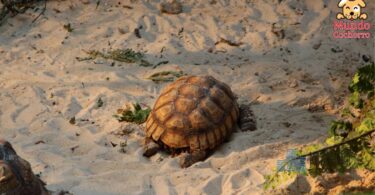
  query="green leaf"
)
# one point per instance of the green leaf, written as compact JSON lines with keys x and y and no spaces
{"x":138,"y":115}
{"x":340,"y":127}
{"x":309,"y":149}
{"x":334,"y":140}
{"x":346,"y":112}
{"x":275,"y":179}
{"x":367,"y":124}
{"x":127,"y":55}
{"x":355,"y":79}
{"x":165,"y":76}
{"x":363,"y":80}
{"x":356,"y":100}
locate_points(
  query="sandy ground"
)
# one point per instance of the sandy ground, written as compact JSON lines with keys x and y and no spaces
{"x":296,"y":83}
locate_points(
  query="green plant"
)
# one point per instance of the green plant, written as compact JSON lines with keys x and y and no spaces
{"x":121,"y":55}
{"x":272,"y":181}
{"x":137,"y":115}
{"x":165,"y":76}
{"x":349,"y":144}
{"x":15,"y":7}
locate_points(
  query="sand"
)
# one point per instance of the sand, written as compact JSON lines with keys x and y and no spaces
{"x":296,"y":81}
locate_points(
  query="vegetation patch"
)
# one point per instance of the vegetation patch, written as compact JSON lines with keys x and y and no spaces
{"x":351,"y":140}
{"x":134,"y":114}
{"x":121,"y":55}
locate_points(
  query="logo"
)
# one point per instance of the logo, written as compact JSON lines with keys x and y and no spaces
{"x":350,"y":23}
{"x":292,"y":163}
{"x":351,"y":10}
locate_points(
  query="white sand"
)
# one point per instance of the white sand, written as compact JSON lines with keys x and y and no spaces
{"x":33,"y":67}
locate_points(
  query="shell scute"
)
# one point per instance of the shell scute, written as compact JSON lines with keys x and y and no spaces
{"x":216,"y":113}
{"x":191,"y":91}
{"x":205,"y":82}
{"x":222,"y":98}
{"x":177,"y":122}
{"x":168,"y":97}
{"x":198,"y":120}
{"x":185,"y":105}
{"x":163,"y":113}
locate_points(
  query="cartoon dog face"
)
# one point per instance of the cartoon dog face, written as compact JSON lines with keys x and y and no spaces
{"x":351,"y":9}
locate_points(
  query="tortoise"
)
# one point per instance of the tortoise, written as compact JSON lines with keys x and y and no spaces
{"x":192,"y":116}
{"x":16,"y":176}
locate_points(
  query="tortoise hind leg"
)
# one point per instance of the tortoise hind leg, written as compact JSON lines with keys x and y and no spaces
{"x":247,"y":120}
{"x":150,"y":148}
{"x":188,"y":159}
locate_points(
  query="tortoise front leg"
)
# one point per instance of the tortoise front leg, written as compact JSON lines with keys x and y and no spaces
{"x":188,"y":159}
{"x":150,"y":148}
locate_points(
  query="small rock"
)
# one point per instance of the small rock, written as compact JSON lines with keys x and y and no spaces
{"x":287,"y":124}
{"x":293,"y":83}
{"x":137,"y":33}
{"x":122,"y":31}
{"x":72,"y":120}
{"x":337,"y":49}
{"x":278,"y":31}
{"x":74,"y":148}
{"x":299,"y":11}
{"x":39,"y":142}
{"x":122,"y":147}
{"x":173,"y":7}
{"x":99,"y":103}
{"x":113,"y":144}
{"x":366,"y":58}
{"x":213,"y":2}
{"x":261,"y":79}
{"x":317,"y":45}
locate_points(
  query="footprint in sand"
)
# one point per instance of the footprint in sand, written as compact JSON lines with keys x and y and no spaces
{"x":242,"y":180}
{"x":72,"y":108}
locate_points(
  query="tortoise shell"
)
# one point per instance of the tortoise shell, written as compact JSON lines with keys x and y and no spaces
{"x":194,"y":112}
